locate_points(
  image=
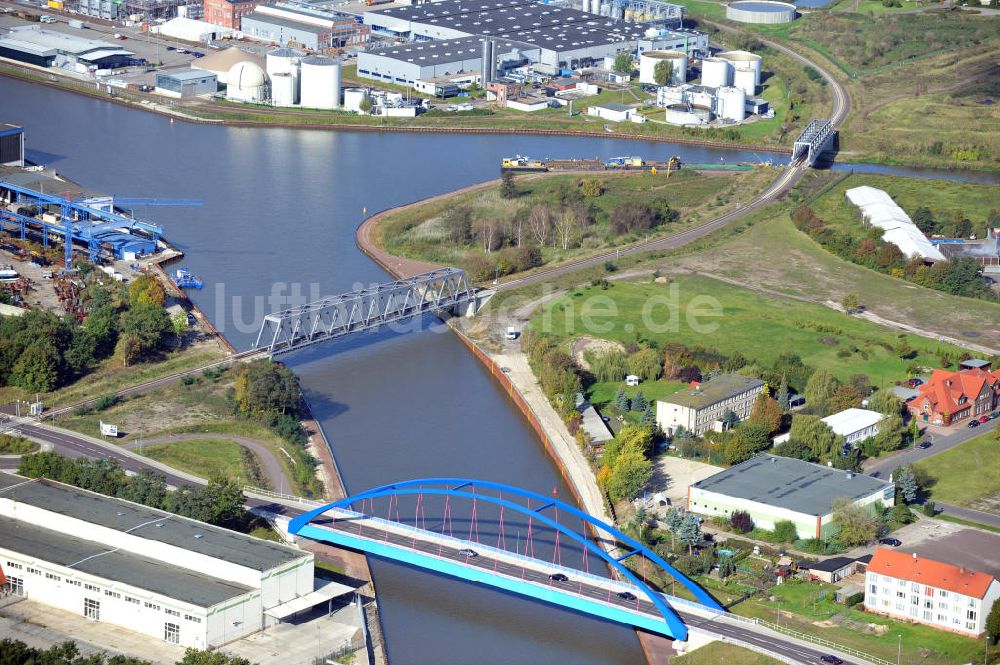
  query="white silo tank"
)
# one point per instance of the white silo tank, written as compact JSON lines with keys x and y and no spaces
{"x":649,"y":60}
{"x":745,"y":80}
{"x":353,"y":98}
{"x":285,"y":61}
{"x":247,"y":82}
{"x":716,"y":72}
{"x":283,"y":89}
{"x":744,"y":60}
{"x":319,"y":82}
{"x":731,"y":104}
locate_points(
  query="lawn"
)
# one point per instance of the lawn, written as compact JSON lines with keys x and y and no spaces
{"x":873,"y":7}
{"x":205,"y":458}
{"x":418,"y":232}
{"x":968,"y":472}
{"x":603,"y":393}
{"x":803,"y":610}
{"x":15,"y":445}
{"x":715,"y":653}
{"x":759,"y":326}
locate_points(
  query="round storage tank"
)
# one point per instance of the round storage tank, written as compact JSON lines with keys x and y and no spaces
{"x":680,"y":114}
{"x":247,"y":82}
{"x":283,"y":89}
{"x":319,"y":82}
{"x":744,"y":79}
{"x":744,"y":60}
{"x":649,"y":60}
{"x":283,"y":61}
{"x":353,"y":98}
{"x":732,"y":103}
{"x":716,"y":72}
{"x":760,"y":11}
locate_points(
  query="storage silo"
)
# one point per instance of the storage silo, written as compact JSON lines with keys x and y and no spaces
{"x":716,"y":72}
{"x":744,"y":79}
{"x":285,"y":61}
{"x":283,"y":89}
{"x":744,"y":60}
{"x":247,"y":83}
{"x":319,"y":82}
{"x":649,"y":60}
{"x":353,"y":98}
{"x":731,"y":104}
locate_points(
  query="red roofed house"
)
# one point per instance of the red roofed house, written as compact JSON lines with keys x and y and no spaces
{"x":950,"y":397}
{"x":941,"y":595}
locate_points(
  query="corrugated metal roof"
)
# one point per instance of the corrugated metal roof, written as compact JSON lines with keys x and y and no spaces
{"x":882,"y":212}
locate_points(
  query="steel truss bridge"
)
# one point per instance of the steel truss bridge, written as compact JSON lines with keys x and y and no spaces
{"x":511,"y":565}
{"x":814,"y":140}
{"x":364,"y":309}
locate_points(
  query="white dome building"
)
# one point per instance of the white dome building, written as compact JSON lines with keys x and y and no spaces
{"x":247,"y":82}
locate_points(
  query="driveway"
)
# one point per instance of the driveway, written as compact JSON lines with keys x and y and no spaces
{"x":673,"y":475}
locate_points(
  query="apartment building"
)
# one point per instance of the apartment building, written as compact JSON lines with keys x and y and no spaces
{"x":700,"y":407}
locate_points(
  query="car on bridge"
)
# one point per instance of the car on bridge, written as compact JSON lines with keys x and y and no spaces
{"x":558,"y":577}
{"x":831,"y":659}
{"x":626,"y":595}
{"x":470,"y":553}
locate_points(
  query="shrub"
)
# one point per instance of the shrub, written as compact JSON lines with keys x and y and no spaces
{"x":188,"y":380}
{"x":929,"y":509}
{"x":105,"y":402}
{"x":785,"y":531}
{"x":741,"y":521}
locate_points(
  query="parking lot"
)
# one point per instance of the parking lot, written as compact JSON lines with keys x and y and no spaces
{"x":953,"y":543}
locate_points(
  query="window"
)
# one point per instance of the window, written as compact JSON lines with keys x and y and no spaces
{"x":914,"y":586}
{"x":942,"y":593}
{"x":91,"y":587}
{"x":152,"y":606}
{"x":874,"y":589}
{"x":942,"y":606}
{"x":928,"y":616}
{"x":900,"y":594}
{"x":34,"y":571}
{"x":15,"y":585}
{"x":15,"y":566}
{"x":74,"y":582}
{"x":902,"y":583}
{"x":50,"y":576}
{"x":192,"y":619}
{"x":942,"y":618}
{"x":972,"y":602}
{"x":91,"y":609}
{"x":130,"y":599}
{"x":173,"y":613}
{"x":971,"y":615}
{"x":928,"y":591}
{"x":929,"y":604}
{"x":172,"y":633}
{"x":113,"y":594}
{"x":914,"y":600}
{"x":970,"y":626}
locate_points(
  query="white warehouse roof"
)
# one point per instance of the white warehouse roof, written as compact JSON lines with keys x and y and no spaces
{"x":191,"y":30}
{"x":882,"y":212}
{"x":845,"y":423}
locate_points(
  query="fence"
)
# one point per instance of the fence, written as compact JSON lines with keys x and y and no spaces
{"x":812,"y":639}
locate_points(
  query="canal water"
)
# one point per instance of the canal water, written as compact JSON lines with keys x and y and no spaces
{"x":277,"y":227}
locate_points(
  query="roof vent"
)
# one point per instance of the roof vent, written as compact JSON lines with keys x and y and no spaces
{"x":198,"y":535}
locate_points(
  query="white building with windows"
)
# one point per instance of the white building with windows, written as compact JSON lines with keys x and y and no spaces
{"x":855,"y":425}
{"x":169,"y":577}
{"x":700,"y":407}
{"x":941,"y":595}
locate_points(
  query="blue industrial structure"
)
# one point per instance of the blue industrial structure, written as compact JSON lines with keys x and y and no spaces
{"x":669,"y":623}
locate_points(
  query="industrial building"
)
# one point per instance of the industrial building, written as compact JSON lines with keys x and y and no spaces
{"x":773,"y":489}
{"x":11,"y":145}
{"x":677,"y":60}
{"x":220,"y":62}
{"x":46,"y":48}
{"x":186,"y":83}
{"x":147,"y":10}
{"x":688,"y":41}
{"x":700,"y":407}
{"x":855,"y":425}
{"x":690,"y":104}
{"x":879,"y":210}
{"x":171,"y":578}
{"x":426,"y":60}
{"x":227,"y":13}
{"x":190,"y":30}
{"x":303,"y":27}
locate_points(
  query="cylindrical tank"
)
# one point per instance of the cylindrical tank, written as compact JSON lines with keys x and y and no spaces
{"x":283,"y":89}
{"x":320,"y":82}
{"x":760,"y":11}
{"x":649,"y":60}
{"x":716,"y":72}
{"x":731,"y":104}
{"x":247,"y":82}
{"x":680,"y":114}
{"x":353,"y":98}
{"x":744,"y":60}
{"x":283,"y":60}
{"x":744,"y":79}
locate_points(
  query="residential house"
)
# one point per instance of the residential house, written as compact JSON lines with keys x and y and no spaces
{"x":951,"y":397}
{"x":855,"y":425}
{"x":700,"y":407}
{"x":941,"y":595}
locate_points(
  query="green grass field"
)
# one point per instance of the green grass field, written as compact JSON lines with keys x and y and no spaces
{"x":804,"y":610}
{"x":204,"y":458}
{"x":759,"y":326}
{"x":716,"y":653}
{"x":967,"y":472}
{"x":602,"y":393}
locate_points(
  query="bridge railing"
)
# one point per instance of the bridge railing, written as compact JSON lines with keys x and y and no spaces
{"x":812,"y":639}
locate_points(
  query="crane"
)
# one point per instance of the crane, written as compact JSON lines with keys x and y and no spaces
{"x":136,"y":202}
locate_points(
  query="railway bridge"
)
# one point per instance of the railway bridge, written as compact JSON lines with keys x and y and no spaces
{"x":817,"y":138}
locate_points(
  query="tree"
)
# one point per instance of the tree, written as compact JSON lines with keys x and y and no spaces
{"x":674,"y":520}
{"x":38,"y":368}
{"x":639,"y":402}
{"x":850,"y":303}
{"x":265,"y":387}
{"x":993,"y":622}
{"x":645,"y":363}
{"x":148,"y":323}
{"x":146,"y":487}
{"x":629,"y":474}
{"x":766,"y":412}
{"x":747,"y":440}
{"x":179,"y":323}
{"x":819,"y":389}
{"x":663,"y":72}
{"x":540,"y":223}
{"x":904,"y":350}
{"x":195,"y":657}
{"x":884,"y":402}
{"x":128,"y":349}
{"x":457,"y":224}
{"x":565,"y":224}
{"x":622,"y":402}
{"x":690,"y":531}
{"x":508,"y":188}
{"x":785,"y":531}
{"x":729,"y":419}
{"x":365,"y":105}
{"x":856,"y":525}
{"x":592,"y":188}
{"x":609,"y":365}
{"x":623,"y":63}
{"x":846,"y":396}
{"x":890,"y":434}
{"x":816,"y":434}
{"x":740,"y":521}
{"x":906,"y":483}
{"x":146,"y":290}
{"x":632,"y":216}
{"x":796,"y":450}
{"x":649,"y":417}
{"x":782,"y":396}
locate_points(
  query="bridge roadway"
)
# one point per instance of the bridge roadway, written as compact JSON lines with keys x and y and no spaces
{"x":789,"y":649}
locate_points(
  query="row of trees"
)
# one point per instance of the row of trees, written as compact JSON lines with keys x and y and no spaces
{"x":40,"y":351}
{"x":625,"y":464}
{"x":16,"y":652}
{"x":219,"y":502}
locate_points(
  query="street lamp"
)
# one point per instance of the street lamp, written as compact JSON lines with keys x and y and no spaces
{"x":899,"y":652}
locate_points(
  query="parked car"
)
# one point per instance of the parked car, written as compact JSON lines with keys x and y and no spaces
{"x":181,"y":49}
{"x":831,"y":659}
{"x":925,"y":445}
{"x":469,"y":553}
{"x":891,"y":542}
{"x":913,"y":383}
{"x":984,"y":419}
{"x":973,"y":423}
{"x":171,"y":48}
{"x":198,"y":54}
{"x":995,"y":414}
{"x":626,"y":595}
{"x":558,"y":577}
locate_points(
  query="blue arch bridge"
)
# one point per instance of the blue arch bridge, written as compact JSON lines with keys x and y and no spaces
{"x":413,"y":522}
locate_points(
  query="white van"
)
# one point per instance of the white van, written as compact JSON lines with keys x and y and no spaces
{"x":513,"y":333}
{"x":45,"y":18}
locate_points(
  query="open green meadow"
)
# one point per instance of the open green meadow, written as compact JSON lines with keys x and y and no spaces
{"x":205,"y":458}
{"x":966,"y":474}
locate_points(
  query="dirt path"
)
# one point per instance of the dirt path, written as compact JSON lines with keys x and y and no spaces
{"x":270,"y":464}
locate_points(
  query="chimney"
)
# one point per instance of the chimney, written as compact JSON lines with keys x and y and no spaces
{"x":914,"y":556}
{"x":961,"y":570}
